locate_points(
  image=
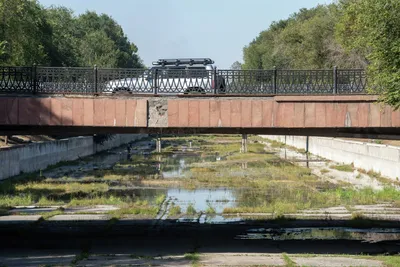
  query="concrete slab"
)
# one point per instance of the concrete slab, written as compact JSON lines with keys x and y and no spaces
{"x":133,"y":260}
{"x":335,"y":262}
{"x":79,"y":217}
{"x":19,"y":219}
{"x":31,"y":210}
{"x":331,"y":210}
{"x":248,"y":259}
{"x":95,"y":209}
{"x":39,"y":260}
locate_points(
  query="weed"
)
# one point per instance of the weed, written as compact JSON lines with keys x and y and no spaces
{"x":193,"y":257}
{"x":97,"y":200}
{"x":160,"y":199}
{"x":141,"y":257}
{"x":174,"y":210}
{"x":210,"y":209}
{"x":276,"y":144}
{"x":324,"y":171}
{"x":138,"y":208}
{"x":48,"y":215}
{"x":83,"y":256}
{"x":343,"y":168}
{"x":288,"y":261}
{"x":190,"y":210}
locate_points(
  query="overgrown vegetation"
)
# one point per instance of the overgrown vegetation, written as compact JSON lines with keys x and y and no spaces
{"x":190,"y":210}
{"x":346,"y":34}
{"x":55,"y":36}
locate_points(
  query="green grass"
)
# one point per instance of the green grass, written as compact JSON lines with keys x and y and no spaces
{"x":390,"y":261}
{"x":343,"y":168}
{"x":190,"y":210}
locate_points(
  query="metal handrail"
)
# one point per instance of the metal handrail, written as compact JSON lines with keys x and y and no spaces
{"x":165,"y":81}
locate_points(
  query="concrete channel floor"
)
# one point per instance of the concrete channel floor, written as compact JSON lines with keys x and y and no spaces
{"x":52,"y":258}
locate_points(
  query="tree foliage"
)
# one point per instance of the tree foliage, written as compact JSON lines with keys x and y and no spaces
{"x":54,"y":36}
{"x":372,"y":28}
{"x":346,"y":34}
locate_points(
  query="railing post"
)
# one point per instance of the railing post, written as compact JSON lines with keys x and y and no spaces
{"x":34,"y":79}
{"x":155,"y":85}
{"x":335,"y":85}
{"x":216,"y":85}
{"x":95,"y":76}
{"x":275,"y":80}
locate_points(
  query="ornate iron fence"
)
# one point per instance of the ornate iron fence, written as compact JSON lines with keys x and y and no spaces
{"x":174,"y":81}
{"x":17,"y":79}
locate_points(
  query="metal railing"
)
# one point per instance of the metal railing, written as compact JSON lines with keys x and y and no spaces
{"x":163,"y":81}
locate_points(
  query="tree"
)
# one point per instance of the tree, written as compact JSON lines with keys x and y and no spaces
{"x":25,"y":31}
{"x":372,"y":28}
{"x":65,"y":44}
{"x":236,"y":65}
{"x":306,"y":40}
{"x":56,"y":37}
{"x":113,"y":49}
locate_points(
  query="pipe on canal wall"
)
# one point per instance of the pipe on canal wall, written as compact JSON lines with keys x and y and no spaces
{"x":38,"y":156}
{"x":383,"y":159}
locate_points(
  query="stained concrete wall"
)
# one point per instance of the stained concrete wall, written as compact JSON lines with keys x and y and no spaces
{"x":38,"y":156}
{"x":383,"y":159}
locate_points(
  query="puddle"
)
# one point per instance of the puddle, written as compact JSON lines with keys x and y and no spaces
{"x":202,"y":199}
{"x":330,"y":233}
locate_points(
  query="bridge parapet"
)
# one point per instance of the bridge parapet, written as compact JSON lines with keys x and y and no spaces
{"x":313,"y":115}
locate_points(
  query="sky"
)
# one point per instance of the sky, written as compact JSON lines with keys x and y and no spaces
{"x":216,"y":29}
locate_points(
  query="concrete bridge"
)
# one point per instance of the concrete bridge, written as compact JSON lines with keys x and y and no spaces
{"x":328,"y":115}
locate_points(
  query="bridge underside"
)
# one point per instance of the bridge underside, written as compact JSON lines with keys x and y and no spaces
{"x":370,"y":132}
{"x":335,"y":116}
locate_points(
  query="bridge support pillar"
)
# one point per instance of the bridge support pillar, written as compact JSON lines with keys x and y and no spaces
{"x":244,"y":143}
{"x":158,"y":145}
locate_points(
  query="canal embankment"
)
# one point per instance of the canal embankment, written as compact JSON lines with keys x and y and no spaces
{"x":379,"y":158}
{"x":38,"y":156}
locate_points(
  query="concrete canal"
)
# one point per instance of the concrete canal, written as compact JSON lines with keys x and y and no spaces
{"x":202,"y":187}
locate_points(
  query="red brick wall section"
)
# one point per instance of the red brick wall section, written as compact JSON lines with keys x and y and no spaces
{"x":316,"y":112}
{"x":59,"y":111}
{"x":287,"y":112}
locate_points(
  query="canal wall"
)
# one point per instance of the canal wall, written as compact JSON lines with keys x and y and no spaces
{"x":38,"y":156}
{"x":379,"y":158}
